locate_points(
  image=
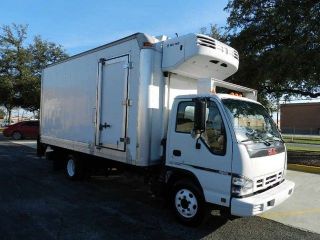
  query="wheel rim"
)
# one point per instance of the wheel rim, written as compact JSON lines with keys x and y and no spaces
{"x":71,"y":167}
{"x":186,"y":203}
{"x":16,"y":136}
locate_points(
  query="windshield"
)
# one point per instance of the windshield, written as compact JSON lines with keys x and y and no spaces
{"x":251,"y":121}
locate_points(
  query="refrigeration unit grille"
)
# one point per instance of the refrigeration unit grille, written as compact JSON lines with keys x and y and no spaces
{"x":207,"y":42}
{"x":212,"y":43}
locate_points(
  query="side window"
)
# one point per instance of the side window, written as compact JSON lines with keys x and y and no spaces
{"x":185,"y":117}
{"x":215,"y":134}
{"x":35,"y":124}
{"x":28,"y":124}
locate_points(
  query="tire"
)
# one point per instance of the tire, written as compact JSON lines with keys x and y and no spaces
{"x":17,"y":135}
{"x":74,"y":168}
{"x":187,"y":203}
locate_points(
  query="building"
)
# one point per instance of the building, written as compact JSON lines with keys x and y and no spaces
{"x":300,"y":118}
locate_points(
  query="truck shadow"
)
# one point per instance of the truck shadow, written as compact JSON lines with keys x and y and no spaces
{"x":46,"y":205}
{"x":38,"y":203}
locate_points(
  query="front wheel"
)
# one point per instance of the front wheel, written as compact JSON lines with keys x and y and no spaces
{"x":74,"y":168}
{"x":188,"y":203}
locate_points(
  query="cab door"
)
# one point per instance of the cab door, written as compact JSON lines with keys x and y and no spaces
{"x":209,"y":157}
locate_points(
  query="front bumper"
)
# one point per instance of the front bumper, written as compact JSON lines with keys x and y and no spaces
{"x":262,"y":202}
{"x":6,"y":134}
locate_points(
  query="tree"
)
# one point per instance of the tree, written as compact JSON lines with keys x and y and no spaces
{"x":42,"y":53}
{"x":2,"y":113}
{"x":13,"y":65}
{"x":279,"y":45}
{"x":21,"y":66}
{"x":215,"y":32}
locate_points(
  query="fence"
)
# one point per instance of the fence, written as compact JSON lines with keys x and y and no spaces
{"x":302,"y":131}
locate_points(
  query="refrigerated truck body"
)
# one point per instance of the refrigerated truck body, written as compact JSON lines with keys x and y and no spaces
{"x":152,"y":103}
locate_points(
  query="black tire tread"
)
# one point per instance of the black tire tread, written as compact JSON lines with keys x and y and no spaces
{"x":21,"y":136}
{"x":79,"y":167}
{"x":203,"y":212}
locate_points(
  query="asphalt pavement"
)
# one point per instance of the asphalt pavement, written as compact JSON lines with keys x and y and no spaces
{"x":39,"y":203}
{"x":28,"y":143}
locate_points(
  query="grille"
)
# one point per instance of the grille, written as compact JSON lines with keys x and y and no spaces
{"x":268,"y":181}
{"x":207,"y":42}
{"x":235,"y":54}
{"x":211,"y":43}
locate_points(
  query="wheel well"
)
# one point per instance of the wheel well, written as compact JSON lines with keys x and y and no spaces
{"x":175,"y":175}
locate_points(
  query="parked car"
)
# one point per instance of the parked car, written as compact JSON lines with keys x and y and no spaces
{"x":25,"y":129}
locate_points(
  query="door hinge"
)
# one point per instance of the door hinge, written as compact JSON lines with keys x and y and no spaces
{"x":102,"y":61}
{"x":127,"y":102}
{"x":125,"y":140}
{"x":128,"y":65}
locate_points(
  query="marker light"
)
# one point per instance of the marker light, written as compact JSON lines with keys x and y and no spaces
{"x":147,"y":44}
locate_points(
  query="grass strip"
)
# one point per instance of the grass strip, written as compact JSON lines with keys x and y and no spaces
{"x":304,"y":168}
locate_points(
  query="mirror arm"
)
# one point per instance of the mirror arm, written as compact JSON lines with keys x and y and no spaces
{"x":198,"y":145}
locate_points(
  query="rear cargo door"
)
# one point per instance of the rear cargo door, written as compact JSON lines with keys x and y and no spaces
{"x":112,"y":98}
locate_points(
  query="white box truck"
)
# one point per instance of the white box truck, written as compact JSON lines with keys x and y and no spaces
{"x":151,"y":104}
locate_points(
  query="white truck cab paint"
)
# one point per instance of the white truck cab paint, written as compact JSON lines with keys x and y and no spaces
{"x":237,"y":164}
{"x":152,"y":104}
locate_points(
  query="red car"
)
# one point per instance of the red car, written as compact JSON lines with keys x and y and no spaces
{"x":25,"y":129}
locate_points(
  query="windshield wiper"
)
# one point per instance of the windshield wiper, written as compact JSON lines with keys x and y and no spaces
{"x":257,"y":138}
{"x":278,"y":139}
{"x":246,"y":140}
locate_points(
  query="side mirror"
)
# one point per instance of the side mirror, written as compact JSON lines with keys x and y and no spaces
{"x":199,"y":116}
{"x":195,"y":134}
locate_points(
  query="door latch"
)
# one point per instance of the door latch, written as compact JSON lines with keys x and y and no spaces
{"x":125,"y":140}
{"x":102,"y":61}
{"x":105,"y":125}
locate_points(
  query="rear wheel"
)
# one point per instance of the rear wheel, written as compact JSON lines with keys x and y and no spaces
{"x":16,"y":135}
{"x":188,"y":203}
{"x":74,"y":167}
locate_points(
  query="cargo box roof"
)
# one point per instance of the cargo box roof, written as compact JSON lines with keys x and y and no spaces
{"x":141,"y":38}
{"x":218,"y":95}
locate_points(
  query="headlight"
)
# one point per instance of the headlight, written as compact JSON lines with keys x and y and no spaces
{"x":241,"y":186}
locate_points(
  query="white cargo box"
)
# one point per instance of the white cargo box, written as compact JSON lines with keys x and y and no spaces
{"x":89,"y":102}
{"x":113,"y":101}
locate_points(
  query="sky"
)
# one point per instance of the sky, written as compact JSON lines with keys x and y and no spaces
{"x":80,"y":25}
{"x":83,"y":24}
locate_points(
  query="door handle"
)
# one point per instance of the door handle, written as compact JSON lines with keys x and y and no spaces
{"x":102,"y":126}
{"x":177,"y":153}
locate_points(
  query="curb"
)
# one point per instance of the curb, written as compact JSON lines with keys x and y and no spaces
{"x":304,"y":168}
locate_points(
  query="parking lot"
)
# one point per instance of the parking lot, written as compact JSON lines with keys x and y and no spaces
{"x":39,"y":203}
{"x":302,"y":210}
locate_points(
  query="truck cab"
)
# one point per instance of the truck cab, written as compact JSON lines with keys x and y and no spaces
{"x":233,"y":151}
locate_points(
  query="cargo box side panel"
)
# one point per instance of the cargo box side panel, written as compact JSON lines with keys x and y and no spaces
{"x":69,"y":102}
{"x":180,"y":85}
{"x":157,"y":108}
{"x":68,"y":95}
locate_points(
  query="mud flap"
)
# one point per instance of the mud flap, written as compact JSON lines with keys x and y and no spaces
{"x":41,"y":147}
